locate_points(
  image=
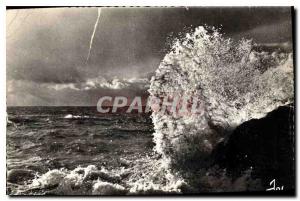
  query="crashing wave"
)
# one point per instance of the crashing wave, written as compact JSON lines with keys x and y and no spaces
{"x":233,"y":83}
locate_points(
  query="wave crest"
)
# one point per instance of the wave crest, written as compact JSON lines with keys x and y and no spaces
{"x":234,"y":82}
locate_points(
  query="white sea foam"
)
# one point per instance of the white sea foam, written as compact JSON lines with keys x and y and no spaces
{"x":147,"y":176}
{"x":80,"y":181}
{"x":70,"y":116}
{"x":106,"y":188}
{"x":234,"y":83}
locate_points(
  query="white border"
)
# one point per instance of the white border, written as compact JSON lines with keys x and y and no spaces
{"x":151,"y":2}
{"x":4,"y":3}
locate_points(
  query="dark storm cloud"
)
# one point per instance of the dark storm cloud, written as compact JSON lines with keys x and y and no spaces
{"x":48,"y":47}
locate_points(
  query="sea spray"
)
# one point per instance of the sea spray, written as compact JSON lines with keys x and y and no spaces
{"x":234,"y":83}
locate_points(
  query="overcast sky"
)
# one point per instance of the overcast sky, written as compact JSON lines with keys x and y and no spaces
{"x":47,"y":47}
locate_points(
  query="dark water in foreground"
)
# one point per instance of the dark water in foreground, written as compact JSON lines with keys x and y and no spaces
{"x":46,"y":138}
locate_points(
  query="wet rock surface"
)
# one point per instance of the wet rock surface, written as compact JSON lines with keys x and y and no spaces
{"x":264,"y":146}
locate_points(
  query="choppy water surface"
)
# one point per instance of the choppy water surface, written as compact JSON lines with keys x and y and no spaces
{"x":47,"y":138}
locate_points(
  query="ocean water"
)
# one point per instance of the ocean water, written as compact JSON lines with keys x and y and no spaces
{"x":40,"y":139}
{"x":75,"y":151}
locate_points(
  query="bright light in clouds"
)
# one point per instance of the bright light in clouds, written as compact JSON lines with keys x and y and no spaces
{"x":101,"y":82}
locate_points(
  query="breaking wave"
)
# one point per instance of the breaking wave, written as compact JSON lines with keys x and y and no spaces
{"x":235,"y":83}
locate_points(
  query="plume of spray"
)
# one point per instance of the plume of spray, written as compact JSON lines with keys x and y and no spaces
{"x":93,"y":35}
{"x":234,"y":84}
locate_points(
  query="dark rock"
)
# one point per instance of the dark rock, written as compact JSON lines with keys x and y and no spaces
{"x":266,"y":146}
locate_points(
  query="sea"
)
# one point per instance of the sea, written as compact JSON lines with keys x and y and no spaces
{"x":41,"y":139}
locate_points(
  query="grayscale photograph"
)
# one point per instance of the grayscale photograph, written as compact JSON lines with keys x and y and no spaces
{"x":150,"y":101}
